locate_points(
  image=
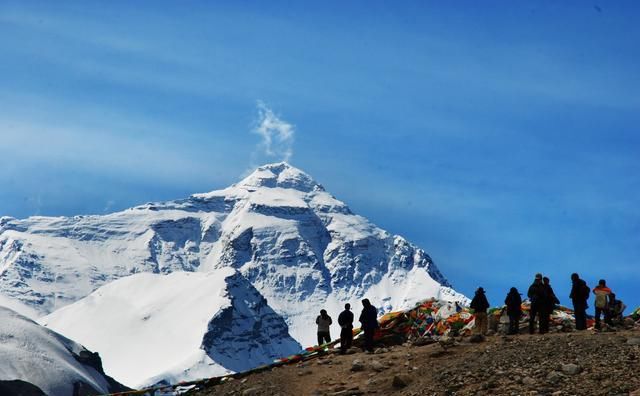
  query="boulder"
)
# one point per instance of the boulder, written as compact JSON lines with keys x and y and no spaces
{"x":571,"y":369}
{"x":400,"y":381}
{"x":357,"y":365}
{"x":554,"y":377}
{"x":377,"y":366}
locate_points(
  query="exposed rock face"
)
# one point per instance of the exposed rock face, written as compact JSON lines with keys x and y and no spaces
{"x":19,"y":388}
{"x":258,"y":334}
{"x":154,"y":328}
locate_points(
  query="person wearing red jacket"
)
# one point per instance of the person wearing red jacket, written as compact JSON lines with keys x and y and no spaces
{"x":602,"y":293}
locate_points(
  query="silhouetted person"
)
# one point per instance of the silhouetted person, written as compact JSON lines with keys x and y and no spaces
{"x":602,"y":293}
{"x":550,"y":304}
{"x":579,"y":297}
{"x":369,"y":321}
{"x":479,"y":304}
{"x":514,"y":310}
{"x":345,"y":320}
{"x":324,"y":323}
{"x":538,"y":299}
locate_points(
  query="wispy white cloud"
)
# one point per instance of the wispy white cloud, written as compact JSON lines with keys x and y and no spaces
{"x":277,"y":135}
{"x":154,"y":60}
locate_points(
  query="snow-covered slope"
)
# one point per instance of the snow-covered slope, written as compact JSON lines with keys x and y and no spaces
{"x":297,"y":245}
{"x":17,"y":306}
{"x":51,"y":362}
{"x":175,"y":327}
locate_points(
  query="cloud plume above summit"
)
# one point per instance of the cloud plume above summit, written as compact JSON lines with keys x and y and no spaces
{"x":277,"y":135}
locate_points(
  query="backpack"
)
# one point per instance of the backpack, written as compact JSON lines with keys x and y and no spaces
{"x":601,"y":300}
{"x":585,"y":291}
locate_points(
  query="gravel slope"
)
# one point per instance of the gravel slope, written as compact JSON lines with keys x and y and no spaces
{"x":576,"y":363}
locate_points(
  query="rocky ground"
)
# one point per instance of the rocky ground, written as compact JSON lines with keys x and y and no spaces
{"x":574,"y":363}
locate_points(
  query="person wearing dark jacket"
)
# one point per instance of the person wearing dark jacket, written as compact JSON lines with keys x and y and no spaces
{"x":345,"y":320}
{"x":579,"y":295}
{"x":479,"y":304}
{"x":514,"y":310}
{"x":369,"y":323}
{"x":550,"y":304}
{"x":537,"y":296}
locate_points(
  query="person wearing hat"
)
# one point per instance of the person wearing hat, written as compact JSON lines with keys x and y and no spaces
{"x":480,"y":304}
{"x":538,"y":299}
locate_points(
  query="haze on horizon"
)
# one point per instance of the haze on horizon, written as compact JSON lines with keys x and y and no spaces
{"x":500,"y":138}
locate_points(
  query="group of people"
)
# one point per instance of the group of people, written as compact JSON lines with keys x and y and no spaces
{"x":606,"y":304}
{"x":368,"y":322}
{"x":541,"y":296}
{"x":543,"y":301}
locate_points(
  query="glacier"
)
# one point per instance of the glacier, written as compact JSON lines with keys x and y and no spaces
{"x":278,"y":230}
{"x":176,"y":327}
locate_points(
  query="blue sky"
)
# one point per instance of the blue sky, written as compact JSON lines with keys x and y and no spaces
{"x":501,"y":138}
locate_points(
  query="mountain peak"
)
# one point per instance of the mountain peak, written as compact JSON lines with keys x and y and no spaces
{"x":280,"y":174}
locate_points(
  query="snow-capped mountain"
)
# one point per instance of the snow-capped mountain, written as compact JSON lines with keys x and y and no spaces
{"x":297,"y":245}
{"x":35,"y":358}
{"x":176,"y":327}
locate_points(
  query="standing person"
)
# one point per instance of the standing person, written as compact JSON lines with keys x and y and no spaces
{"x":479,"y":304}
{"x":324,"y":323}
{"x":514,"y":310}
{"x":579,"y":296}
{"x":345,"y":320}
{"x":369,"y":322}
{"x":602,"y":293}
{"x":550,"y":304}
{"x":538,"y":299}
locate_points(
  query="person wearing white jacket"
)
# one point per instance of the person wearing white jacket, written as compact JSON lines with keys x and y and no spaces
{"x":324,"y":323}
